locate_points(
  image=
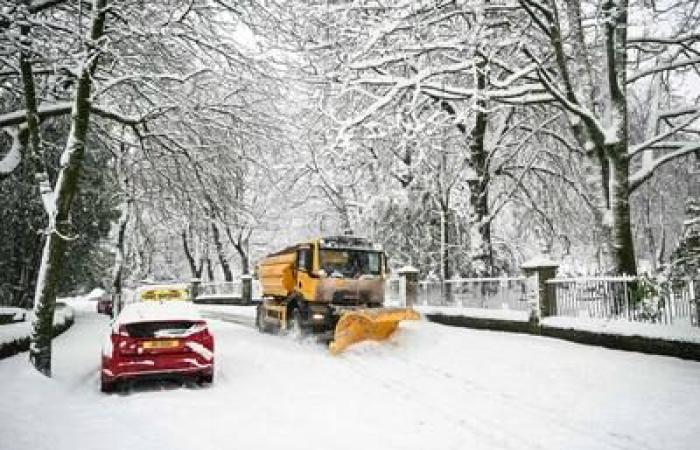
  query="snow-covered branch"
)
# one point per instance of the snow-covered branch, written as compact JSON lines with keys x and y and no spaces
{"x":649,"y":143}
{"x":647,"y":171}
{"x":114,"y":82}
{"x":44,"y":111}
{"x":663,"y":68}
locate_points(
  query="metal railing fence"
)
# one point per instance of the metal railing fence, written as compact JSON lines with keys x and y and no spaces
{"x":629,"y":298}
{"x":485,"y":293}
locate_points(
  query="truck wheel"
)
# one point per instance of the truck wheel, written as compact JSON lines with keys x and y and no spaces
{"x":260,"y":323}
{"x":296,"y":327}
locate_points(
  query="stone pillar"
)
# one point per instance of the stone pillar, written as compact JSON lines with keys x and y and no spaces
{"x":544,"y":302}
{"x":408,"y":285}
{"x":246,"y":289}
{"x":194,"y":288}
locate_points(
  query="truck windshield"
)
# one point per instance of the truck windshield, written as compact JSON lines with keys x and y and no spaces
{"x":350,"y":263}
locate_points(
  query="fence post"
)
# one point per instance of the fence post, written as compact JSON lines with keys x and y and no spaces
{"x":538,"y":271}
{"x":194,"y":288}
{"x":408,"y":285}
{"x":246,"y":289}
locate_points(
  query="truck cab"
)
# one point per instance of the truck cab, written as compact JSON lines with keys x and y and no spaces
{"x":306,"y":287}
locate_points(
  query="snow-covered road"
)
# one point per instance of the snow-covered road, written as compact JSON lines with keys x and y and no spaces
{"x":429,"y":387}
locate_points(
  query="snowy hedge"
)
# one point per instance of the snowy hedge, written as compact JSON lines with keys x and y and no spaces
{"x":14,"y":338}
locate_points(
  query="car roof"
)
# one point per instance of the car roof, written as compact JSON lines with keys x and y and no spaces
{"x":155,"y":311}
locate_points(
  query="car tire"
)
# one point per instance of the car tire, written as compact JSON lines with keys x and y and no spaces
{"x":107,"y":387}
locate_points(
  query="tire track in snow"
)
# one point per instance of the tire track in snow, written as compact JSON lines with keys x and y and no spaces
{"x":470,"y":388}
{"x":479,"y":426}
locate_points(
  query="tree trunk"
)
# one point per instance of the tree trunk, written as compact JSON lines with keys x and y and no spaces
{"x":196,"y":271}
{"x":245,"y":264}
{"x":619,"y":192}
{"x":481,"y":249}
{"x":210,"y":269}
{"x":649,"y":235}
{"x":480,"y":224}
{"x":225,"y":267}
{"x":241,"y":246}
{"x":65,"y":190}
{"x":33,"y":167}
{"x":117,"y":273}
{"x":623,"y":244}
{"x":444,"y":243}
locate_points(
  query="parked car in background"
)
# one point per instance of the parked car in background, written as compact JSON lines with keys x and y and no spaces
{"x":157,"y":340}
{"x":104,"y":305}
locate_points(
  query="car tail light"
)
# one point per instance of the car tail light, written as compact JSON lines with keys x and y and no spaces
{"x":200,"y":333}
{"x":123,"y":343}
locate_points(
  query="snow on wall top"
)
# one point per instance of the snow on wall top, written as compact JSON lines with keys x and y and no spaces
{"x":539,"y":261}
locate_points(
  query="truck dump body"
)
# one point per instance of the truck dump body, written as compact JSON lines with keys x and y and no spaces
{"x":276,"y":275}
{"x":328,"y":286}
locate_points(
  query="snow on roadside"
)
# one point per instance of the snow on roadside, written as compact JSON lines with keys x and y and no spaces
{"x":18,"y":314}
{"x":480,"y":313}
{"x":239,"y":310}
{"x":677,"y":332}
{"x":681,"y":331}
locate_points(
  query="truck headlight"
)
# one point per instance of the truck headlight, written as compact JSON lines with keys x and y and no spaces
{"x":317,"y":316}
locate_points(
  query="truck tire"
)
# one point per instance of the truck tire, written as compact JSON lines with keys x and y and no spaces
{"x":296,"y":325}
{"x":260,"y":323}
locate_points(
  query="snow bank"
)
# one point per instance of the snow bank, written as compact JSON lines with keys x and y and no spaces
{"x":22,"y":330}
{"x":477,"y":313}
{"x":681,"y":332}
{"x":239,"y":310}
{"x":95,"y":293}
{"x":13,"y":314}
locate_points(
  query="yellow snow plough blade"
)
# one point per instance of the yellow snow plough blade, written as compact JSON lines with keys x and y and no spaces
{"x":368,"y":324}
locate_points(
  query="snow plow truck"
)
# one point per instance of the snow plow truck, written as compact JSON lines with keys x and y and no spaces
{"x":332,"y":288}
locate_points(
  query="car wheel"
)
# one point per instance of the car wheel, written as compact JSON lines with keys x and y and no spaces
{"x":107,"y":386}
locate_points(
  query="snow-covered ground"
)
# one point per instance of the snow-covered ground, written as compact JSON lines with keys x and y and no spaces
{"x":429,"y":387}
{"x":681,"y":331}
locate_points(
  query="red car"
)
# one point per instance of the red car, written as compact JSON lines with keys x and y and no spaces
{"x":157,"y":340}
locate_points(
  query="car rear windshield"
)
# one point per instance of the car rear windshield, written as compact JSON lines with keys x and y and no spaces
{"x":158,"y":329}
